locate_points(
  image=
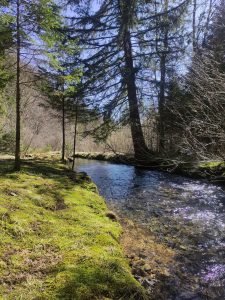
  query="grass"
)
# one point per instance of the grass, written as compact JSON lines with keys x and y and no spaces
{"x":56,"y":241}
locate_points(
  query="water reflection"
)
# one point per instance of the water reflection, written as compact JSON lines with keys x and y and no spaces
{"x":187,"y":214}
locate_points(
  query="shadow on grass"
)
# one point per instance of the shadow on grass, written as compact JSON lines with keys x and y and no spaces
{"x":99,"y":282}
{"x":45,"y":169}
{"x":63,"y":178}
{"x":6,"y":166}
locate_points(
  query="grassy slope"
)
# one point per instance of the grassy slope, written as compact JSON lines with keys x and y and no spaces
{"x":55,"y":239}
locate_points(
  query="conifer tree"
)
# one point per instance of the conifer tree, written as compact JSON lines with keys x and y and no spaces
{"x":109,"y":70}
{"x":30,"y":23}
{"x":5,"y":42}
{"x":119,"y":43}
{"x":61,"y":75}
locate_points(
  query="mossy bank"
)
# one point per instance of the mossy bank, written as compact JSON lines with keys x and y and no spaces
{"x":56,"y":240}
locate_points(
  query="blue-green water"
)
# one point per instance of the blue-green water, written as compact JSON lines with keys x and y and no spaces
{"x":188,"y":215}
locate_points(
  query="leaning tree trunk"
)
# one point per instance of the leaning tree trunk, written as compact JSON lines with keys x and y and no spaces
{"x":18,"y":93}
{"x":140,"y":148}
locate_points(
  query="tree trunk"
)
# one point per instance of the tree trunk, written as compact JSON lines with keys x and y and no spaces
{"x":206,"y":31}
{"x":18,"y":93}
{"x":140,"y":148}
{"x":194,"y":41}
{"x":63,"y":129}
{"x":162,"y":100}
{"x":75,"y":134}
{"x":161,"y":105}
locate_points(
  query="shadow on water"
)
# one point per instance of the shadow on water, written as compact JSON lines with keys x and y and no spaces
{"x":188,"y":215}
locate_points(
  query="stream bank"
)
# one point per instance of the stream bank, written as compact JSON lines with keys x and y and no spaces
{"x":213,"y":171}
{"x":150,"y":260}
{"x":182,"y":217}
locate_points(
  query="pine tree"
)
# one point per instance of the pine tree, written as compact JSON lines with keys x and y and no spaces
{"x":30,"y":22}
{"x":120,"y":42}
{"x":164,"y":40}
{"x":109,"y":68}
{"x":5,"y":42}
{"x":61,"y":75}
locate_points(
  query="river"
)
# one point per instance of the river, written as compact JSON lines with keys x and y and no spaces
{"x":187,"y":215}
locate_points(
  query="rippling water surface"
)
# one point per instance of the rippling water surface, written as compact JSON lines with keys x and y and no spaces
{"x":188,"y":215}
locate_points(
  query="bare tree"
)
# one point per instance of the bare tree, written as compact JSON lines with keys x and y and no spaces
{"x":203,"y":122}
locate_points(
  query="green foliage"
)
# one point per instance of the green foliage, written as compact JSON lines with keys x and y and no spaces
{"x":56,"y":241}
{"x":62,"y":77}
{"x":4,"y":76}
{"x":7,"y":142}
{"x":5,"y":32}
{"x":39,"y":22}
{"x":5,"y":42}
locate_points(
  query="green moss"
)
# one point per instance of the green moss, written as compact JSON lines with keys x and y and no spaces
{"x":212,"y":164}
{"x":56,"y":241}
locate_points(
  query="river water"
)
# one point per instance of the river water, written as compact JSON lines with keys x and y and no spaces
{"x":187,"y":215}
